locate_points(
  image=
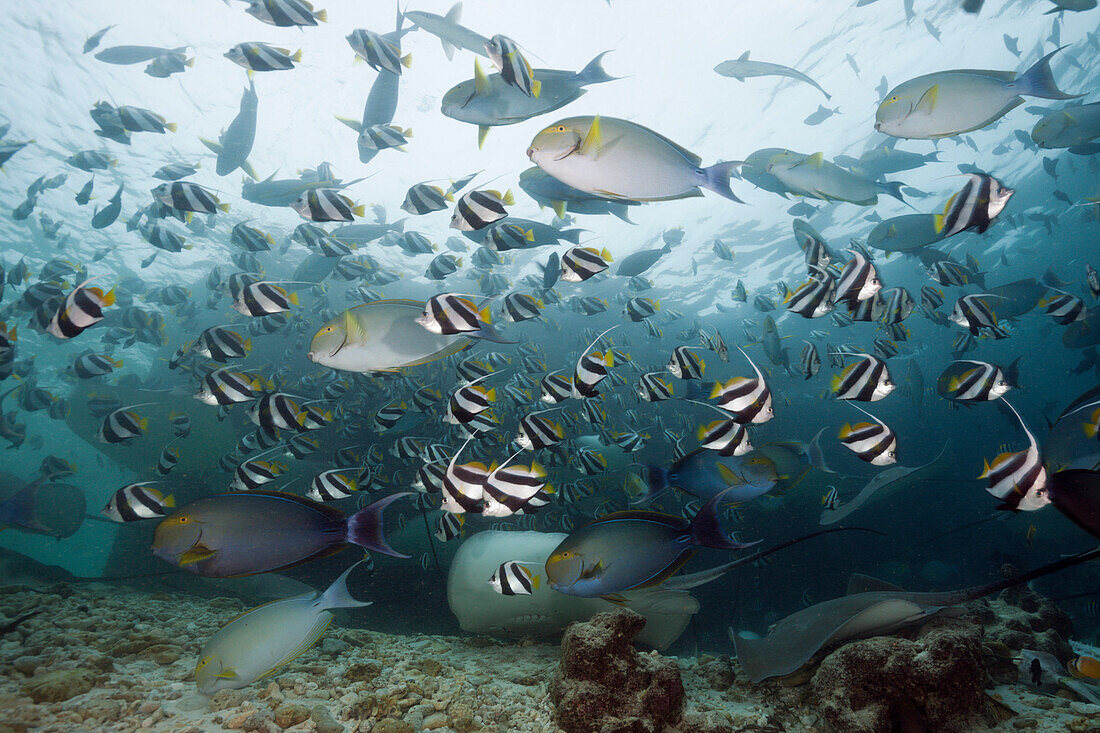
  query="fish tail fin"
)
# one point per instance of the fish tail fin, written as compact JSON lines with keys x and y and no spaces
{"x":593,"y":72}
{"x":893,"y":188}
{"x":1038,"y":81}
{"x":337,"y":595}
{"x":364,"y":528}
{"x":706,"y":528}
{"x":717,"y":178}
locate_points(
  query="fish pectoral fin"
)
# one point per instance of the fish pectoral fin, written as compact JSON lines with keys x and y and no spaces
{"x":198,"y":553}
{"x":615,"y":598}
{"x":229,"y":673}
{"x":927,"y":101}
{"x":593,"y":571}
{"x":352,"y":329}
{"x":729,"y":475}
{"x":593,"y":140}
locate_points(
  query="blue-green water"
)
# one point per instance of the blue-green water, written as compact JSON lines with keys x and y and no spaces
{"x":663,"y":57}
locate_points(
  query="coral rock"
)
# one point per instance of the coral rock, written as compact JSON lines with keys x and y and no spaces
{"x":392,"y":725}
{"x":934,"y":681}
{"x":602,"y":684}
{"x":59,"y":685}
{"x":288,"y":715}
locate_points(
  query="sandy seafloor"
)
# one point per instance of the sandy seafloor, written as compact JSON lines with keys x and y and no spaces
{"x":131,"y":657}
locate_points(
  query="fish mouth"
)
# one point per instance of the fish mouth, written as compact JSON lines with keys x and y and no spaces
{"x":570,"y":151}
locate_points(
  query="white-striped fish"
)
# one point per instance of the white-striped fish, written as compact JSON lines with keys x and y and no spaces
{"x":81,"y":309}
{"x":513,"y":579}
{"x":478,"y":209}
{"x":975,"y":207}
{"x":866,"y":380}
{"x":748,"y":400}
{"x":874,"y":442}
{"x":1018,"y":479}
{"x":136,"y":501}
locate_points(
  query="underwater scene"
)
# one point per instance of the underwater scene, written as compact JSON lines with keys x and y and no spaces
{"x":610,"y":367}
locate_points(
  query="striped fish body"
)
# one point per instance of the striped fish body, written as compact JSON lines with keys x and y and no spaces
{"x":809,"y":361}
{"x":871,"y":442}
{"x":122,"y":426}
{"x":727,"y":437}
{"x":381,"y":137}
{"x":169,"y":457}
{"x":478,"y":209}
{"x":379,"y":53}
{"x":979,"y":382}
{"x":81,"y":309}
{"x":263,"y":57}
{"x":423,"y":198}
{"x":449,"y":527}
{"x":536,"y":433}
{"x":331,"y":486}
{"x":651,"y":388}
{"x":858,"y":280}
{"x":136,"y":502}
{"x":591,"y":369}
{"x":1064,"y":309}
{"x":973,"y":313}
{"x":187,"y":196}
{"x":285,"y":13}
{"x":866,"y":380}
{"x":684,"y":364}
{"x":136,"y":119}
{"x":326,"y":204}
{"x":263,"y":299}
{"x":468,"y":402}
{"x":464,"y":487}
{"x":94,"y":365}
{"x":979,"y":202}
{"x":508,"y":489}
{"x":514,"y":69}
{"x":254,"y":474}
{"x":513,"y":579}
{"x":581,"y":263}
{"x":448,"y":314}
{"x":813,"y":299}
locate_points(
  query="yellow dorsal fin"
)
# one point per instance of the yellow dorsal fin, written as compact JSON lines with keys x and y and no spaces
{"x":816,"y":160}
{"x":481,"y":80}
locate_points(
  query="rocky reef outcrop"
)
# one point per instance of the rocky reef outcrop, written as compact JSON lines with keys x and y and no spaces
{"x":603,"y":685}
{"x":933,"y":680}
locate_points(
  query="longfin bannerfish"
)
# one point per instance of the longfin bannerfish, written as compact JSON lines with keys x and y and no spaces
{"x":874,"y":443}
{"x":513,"y":579}
{"x":1018,"y":479}
{"x":866,"y":380}
{"x":747,"y":400}
{"x":135,"y":502}
{"x":979,"y":202}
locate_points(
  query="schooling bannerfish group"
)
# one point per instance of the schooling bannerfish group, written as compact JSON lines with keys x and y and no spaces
{"x":388,"y":343}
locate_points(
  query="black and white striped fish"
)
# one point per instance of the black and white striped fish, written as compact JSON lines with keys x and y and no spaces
{"x":809,"y":361}
{"x":424,"y":198}
{"x":858,"y":280}
{"x":263,"y":57}
{"x":225,"y":387}
{"x":946,"y":272}
{"x":874,"y":442}
{"x":1064,"y":309}
{"x":388,"y":415}
{"x":535,"y":432}
{"x":504,"y":237}
{"x":448,"y":314}
{"x":94,"y":365}
{"x":169,"y":457}
{"x":739,"y":293}
{"x":449,"y":526}
{"x":715,"y":343}
{"x":885,"y":349}
{"x":254,"y":474}
{"x":514,"y":69}
{"x":464,"y":485}
{"x":221,"y":344}
{"x":638,"y":309}
{"x":898,"y":305}
{"x":589,"y":461}
{"x":747,"y":399}
{"x":275,"y":411}
{"x":263,"y":299}
{"x":138,"y":119}
{"x":866,"y":380}
{"x":326,"y":204}
{"x":187,"y":196}
{"x":973,"y":313}
{"x":333,"y":485}
{"x":684,"y":364}
{"x":930,"y":297}
{"x":136,"y":501}
{"x":1018,"y":479}
{"x":519,"y":307}
{"x":381,"y":54}
{"x":651,"y":388}
{"x":430,"y":477}
{"x":978,"y":380}
{"x":442,"y":265}
{"x":979,"y":202}
{"x":581,"y":263}
{"x":813,"y":298}
{"x":726,"y":437}
{"x":555,"y":388}
{"x":285,"y":13}
{"x":381,"y":137}
{"x":591,"y":369}
{"x":122,"y":425}
{"x":469,"y":401}
{"x":478,"y":209}
{"x":513,"y":579}
{"x":181,"y":424}
{"x":508,"y":488}
{"x":81,"y":309}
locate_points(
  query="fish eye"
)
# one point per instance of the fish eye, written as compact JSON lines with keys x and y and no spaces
{"x":202,"y":663}
{"x":182,"y":519}
{"x":560,"y":128}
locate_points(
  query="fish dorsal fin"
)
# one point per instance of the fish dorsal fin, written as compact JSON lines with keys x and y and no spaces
{"x":816,"y":160}
{"x":743,"y":57}
{"x":927,"y":101}
{"x":352,"y":328}
{"x":860,"y":583}
{"x":593,"y":140}
{"x":481,"y":80}
{"x":454,"y":15}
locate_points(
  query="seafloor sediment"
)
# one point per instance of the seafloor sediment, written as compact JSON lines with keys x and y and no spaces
{"x":106,"y":658}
